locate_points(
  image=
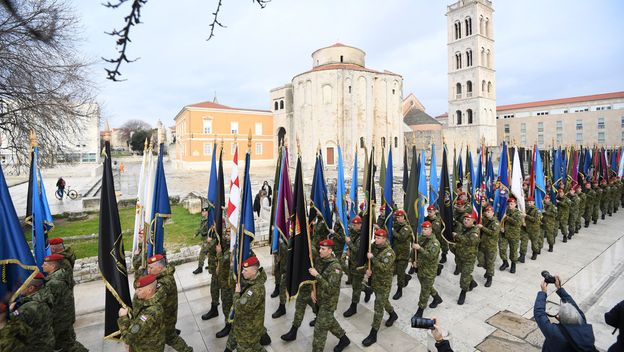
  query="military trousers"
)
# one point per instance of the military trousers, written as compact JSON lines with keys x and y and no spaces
{"x":537,"y":239}
{"x":175,"y":341}
{"x":399,"y":270}
{"x":579,"y":219}
{"x":487,"y":257}
{"x":356,"y":285}
{"x":550,"y":230}
{"x":325,"y":322}
{"x":524,"y":242}
{"x":203,"y":251}
{"x":505,"y":244}
{"x":65,"y":340}
{"x":426,"y":289}
{"x":443,"y":243}
{"x":303,"y":300}
{"x":563,"y":225}
{"x":227,"y":299}
{"x":596,"y":212}
{"x":572,"y":223}
{"x":282,"y":287}
{"x":214,"y":287}
{"x":241,"y":345}
{"x":467,"y":264}
{"x":382,"y":292}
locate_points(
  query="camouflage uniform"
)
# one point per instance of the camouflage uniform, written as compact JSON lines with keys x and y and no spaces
{"x":427,"y":262}
{"x":597,"y":201}
{"x":563,"y":213}
{"x":606,"y":207}
{"x":248,"y":324}
{"x":14,"y":336}
{"x":35,"y":312}
{"x":488,"y":246}
{"x":403,"y":238}
{"x":436,"y":225}
{"x":202,"y":231}
{"x":320,"y":232}
{"x":145,"y":331}
{"x":382,"y":267}
{"x":357,"y":275}
{"x":511,"y":237}
{"x":590,"y":195}
{"x":281,"y":270}
{"x":59,"y":286}
{"x":533,"y":221}
{"x":549,"y":222}
{"x":137,"y":262}
{"x":224,"y":277}
{"x":339,"y":239}
{"x":327,"y":294}
{"x":466,"y":250}
{"x":167,"y":297}
{"x":212,"y":269}
{"x":574,"y":211}
{"x":581,"y":210}
{"x":70,"y":259}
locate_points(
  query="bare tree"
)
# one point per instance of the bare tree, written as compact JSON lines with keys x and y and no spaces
{"x":133,"y":126}
{"x":43,"y":84}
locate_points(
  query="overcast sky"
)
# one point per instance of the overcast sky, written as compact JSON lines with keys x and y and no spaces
{"x":544,"y":50}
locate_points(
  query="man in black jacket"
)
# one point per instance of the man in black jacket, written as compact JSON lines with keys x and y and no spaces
{"x":615,"y":318}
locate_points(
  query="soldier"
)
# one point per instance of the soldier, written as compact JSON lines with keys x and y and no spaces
{"x":280,"y":288}
{"x":381,"y":219}
{"x":488,"y":246}
{"x":467,"y":244}
{"x":248,"y":325}
{"x":427,"y":257}
{"x":137,"y":257}
{"x":563,"y":213}
{"x":337,"y":235}
{"x":167,"y":297}
{"x":357,"y":274}
{"x":597,"y":200}
{"x":403,"y":239}
{"x":381,"y":259}
{"x":590,"y":194}
{"x":226,"y":282}
{"x":145,"y":330}
{"x":14,"y":334}
{"x":436,"y":224}
{"x":59,"y":285}
{"x":533,"y":221}
{"x":320,"y":230}
{"x":461,"y":208}
{"x":574,"y":210}
{"x":549,"y":222}
{"x":604,"y":196}
{"x":57,"y":245}
{"x":202,"y":231}
{"x":33,"y":309}
{"x":510,"y":237}
{"x":581,"y":209}
{"x":611,"y":193}
{"x":326,"y":296}
{"x":211,"y":245}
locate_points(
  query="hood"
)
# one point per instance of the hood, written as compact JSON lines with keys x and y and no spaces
{"x":583,"y":335}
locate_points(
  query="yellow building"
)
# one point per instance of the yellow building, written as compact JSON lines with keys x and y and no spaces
{"x":197,"y":126}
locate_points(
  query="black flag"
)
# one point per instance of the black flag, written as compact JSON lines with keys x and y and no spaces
{"x":445,"y":200}
{"x":111,"y":257}
{"x":368,"y":218}
{"x":405,"y":176}
{"x":411,"y":199}
{"x":220,"y":202}
{"x":300,"y":254}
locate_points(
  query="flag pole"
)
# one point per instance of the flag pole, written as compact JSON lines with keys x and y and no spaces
{"x":370,"y":206}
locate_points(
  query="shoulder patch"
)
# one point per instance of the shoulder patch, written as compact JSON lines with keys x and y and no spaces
{"x":385,"y":260}
{"x":389,"y":253}
{"x":143,"y":317}
{"x":249,"y":293}
{"x":16,"y":312}
{"x":135,"y":328}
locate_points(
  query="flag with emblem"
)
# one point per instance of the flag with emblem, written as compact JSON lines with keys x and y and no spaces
{"x":368,"y":218}
{"x":212,"y":187}
{"x":411,"y":202}
{"x":423,"y":195}
{"x":502,"y":185}
{"x":139,"y":208}
{"x":387,"y":197}
{"x":434,"y":187}
{"x":341,"y":196}
{"x":246,"y":227}
{"x":283,"y":205}
{"x":319,"y":193}
{"x":540,"y":184}
{"x":38,"y":213}
{"x":353,"y":194}
{"x":445,"y":200}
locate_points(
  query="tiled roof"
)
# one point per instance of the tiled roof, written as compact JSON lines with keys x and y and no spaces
{"x":416,"y":116}
{"x":581,"y":99}
{"x":344,"y":66}
{"x":211,"y":105}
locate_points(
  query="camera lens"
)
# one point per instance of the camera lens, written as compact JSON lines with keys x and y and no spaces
{"x":422,"y":323}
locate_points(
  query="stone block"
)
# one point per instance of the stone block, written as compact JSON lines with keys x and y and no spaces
{"x":502,"y":341}
{"x":512,"y":323}
{"x":193,"y":205}
{"x":91,"y":203}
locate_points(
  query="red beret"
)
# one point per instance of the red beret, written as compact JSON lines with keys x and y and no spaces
{"x":561,"y":189}
{"x":327,"y":243}
{"x":425,"y":224}
{"x":39,"y":276}
{"x":251,"y":261}
{"x":381,"y":233}
{"x":511,"y":200}
{"x":357,"y":220}
{"x":382,"y":207}
{"x":470,"y":215}
{"x":54,"y":257}
{"x":154,"y":259}
{"x":530,"y":199}
{"x":431,"y":207}
{"x":460,"y":202}
{"x":604,"y":182}
{"x":461,"y":194}
{"x":145,"y":280}
{"x":362,"y":205}
{"x":578,"y":187}
{"x":3,"y":307}
{"x":547,"y":196}
{"x":56,"y":240}
{"x":399,"y":212}
{"x":587,"y":183}
{"x":489,"y":207}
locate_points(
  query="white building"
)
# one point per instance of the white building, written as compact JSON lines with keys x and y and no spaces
{"x":340,"y":102}
{"x":84,"y":145}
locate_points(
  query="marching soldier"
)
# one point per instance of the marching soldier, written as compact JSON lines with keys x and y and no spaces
{"x":436,"y":224}
{"x":326,"y":296}
{"x":382,"y":259}
{"x":574,"y":211}
{"x":563,"y":213}
{"x":57,"y":245}
{"x":145,"y":330}
{"x":510,"y":239}
{"x":167,"y":297}
{"x":597,"y":200}
{"x":202,"y":231}
{"x":59,"y":285}
{"x":533,"y":221}
{"x":427,"y":257}
{"x":590,"y":195}
{"x":467,"y":244}
{"x":357,"y":274}
{"x":211,"y":245}
{"x":461,"y":208}
{"x":488,"y":246}
{"x":581,"y":209}
{"x":604,"y":195}
{"x":35,"y":312}
{"x":226,"y":282}
{"x":549,"y":222}
{"x":403,"y":238}
{"x":280,"y":287}
{"x":14,"y":334}
{"x":337,"y":235}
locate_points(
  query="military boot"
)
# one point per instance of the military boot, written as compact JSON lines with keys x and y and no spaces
{"x":436,"y":300}
{"x":367,"y":294}
{"x":393,"y":317}
{"x":570,"y":235}
{"x":595,"y":221}
{"x":443,"y":259}
{"x":313,"y":322}
{"x":462,"y":297}
{"x":488,"y":281}
{"x":603,"y":216}
{"x":419,"y":313}
{"x":440,"y":267}
{"x":456,"y":272}
{"x":412,"y":270}
{"x":265,"y":339}
{"x":586,"y":223}
{"x":521,"y":259}
{"x":342,"y":343}
{"x":348,"y":282}
{"x":212,"y":313}
{"x":276,"y":292}
{"x":565,"y":238}
{"x":281,"y":310}
{"x":504,"y":266}
{"x":513,"y":268}
{"x":352,"y":310}
{"x":225,"y":331}
{"x":407,"y":279}
{"x":550,"y":247}
{"x":473,"y":284}
{"x":371,"y":338}
{"x":398,"y":294}
{"x":291,"y":335}
{"x":199,"y":270}
{"x":534,"y":256}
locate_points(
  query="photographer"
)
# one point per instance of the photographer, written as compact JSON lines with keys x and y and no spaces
{"x":441,"y":344}
{"x":572,"y":333}
{"x":615,"y":318}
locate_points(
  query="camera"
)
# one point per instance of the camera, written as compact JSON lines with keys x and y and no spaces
{"x":423,"y":323}
{"x":549,"y":279}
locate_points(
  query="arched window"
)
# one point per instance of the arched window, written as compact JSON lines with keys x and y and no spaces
{"x":469,"y":116}
{"x":383,"y":142}
{"x":487,"y":58}
{"x":458,"y":114}
{"x":361,"y":142}
{"x":281,"y":104}
{"x":483,"y":86}
{"x":469,"y":89}
{"x":396,"y":142}
{"x":468,"y":26}
{"x":458,"y":60}
{"x":482,"y":63}
{"x":481,"y":29}
{"x":457,"y":30}
{"x":458,"y":90}
{"x":487,"y":27}
{"x":281,"y":133}
{"x":468,"y":57}
{"x":489,"y":87}
{"x":276,"y":105}
{"x":341,"y":58}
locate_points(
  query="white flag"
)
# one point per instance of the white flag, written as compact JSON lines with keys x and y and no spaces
{"x":234,"y":201}
{"x":516,"y":181}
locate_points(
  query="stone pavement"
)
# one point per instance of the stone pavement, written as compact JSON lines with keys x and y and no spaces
{"x":590,"y":265}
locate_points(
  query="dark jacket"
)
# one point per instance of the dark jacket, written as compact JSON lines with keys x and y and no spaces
{"x":615,"y":318}
{"x":555,"y":340}
{"x":443,"y":346}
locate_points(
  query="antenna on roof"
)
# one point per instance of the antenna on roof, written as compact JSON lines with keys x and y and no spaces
{"x":215,"y":100}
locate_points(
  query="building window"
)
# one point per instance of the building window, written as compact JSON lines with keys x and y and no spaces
{"x":469,"y":116}
{"x":341,"y":58}
{"x":559,"y":138}
{"x":468,"y":26}
{"x":258,"y":128}
{"x":489,"y":87}
{"x":601,"y":137}
{"x":207,"y":148}
{"x":468,"y":57}
{"x":469,"y":89}
{"x":487,"y":59}
{"x":483,"y":86}
{"x":234,"y":127}
{"x":259,"y":149}
{"x":349,"y":89}
{"x":523,"y":127}
{"x":458,"y":113}
{"x":622,"y":137}
{"x":542,"y":113}
{"x":540,"y":127}
{"x":559,"y":125}
{"x":361,"y":142}
{"x":383,"y":142}
{"x":457,"y":30}
{"x":579,"y":137}
{"x":487,"y":27}
{"x":507,"y":128}
{"x":601,"y":123}
{"x":276,"y":105}
{"x":207,"y":124}
{"x":622,"y":122}
{"x":281,"y":104}
{"x":458,"y":61}
{"x":523,"y":140}
{"x":579,"y":125}
{"x":396,"y":142}
{"x":458,"y":90}
{"x":393,"y":91}
{"x":540,"y":139}
{"x":481,"y":31}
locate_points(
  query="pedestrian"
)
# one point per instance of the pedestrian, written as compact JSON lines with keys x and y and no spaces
{"x":60,"y":187}
{"x":590,"y":194}
{"x":267,"y":188}
{"x":265,"y":206}
{"x":34,"y":310}
{"x":427,"y":256}
{"x":402,"y":238}
{"x":256,"y":204}
{"x":357,"y":273}
{"x":436,"y":224}
{"x":510,"y":236}
{"x":203,"y":231}
{"x":615,"y":318}
{"x":467,"y":244}
{"x":212,"y":242}
{"x":488,"y":246}
{"x":326,"y":296}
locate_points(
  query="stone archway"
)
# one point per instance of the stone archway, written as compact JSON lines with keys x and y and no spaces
{"x":281,"y":134}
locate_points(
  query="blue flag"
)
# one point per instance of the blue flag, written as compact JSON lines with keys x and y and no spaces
{"x":212,"y":187}
{"x":161,"y":209}
{"x":433,"y":178}
{"x":17,"y":263}
{"x":246,"y":227}
{"x":489,"y":179}
{"x":38,"y":212}
{"x":319,"y":193}
{"x":540,"y":183}
{"x":353,"y":195}
{"x":387,"y":196}
{"x":341,"y":196}
{"x":502,"y":185}
{"x":422,"y":193}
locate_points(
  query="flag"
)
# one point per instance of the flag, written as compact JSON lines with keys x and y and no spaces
{"x":38,"y":211}
{"x":405,"y":175}
{"x":422,"y":193}
{"x":148,"y":192}
{"x":502,"y":185}
{"x":341,"y":196}
{"x":460,"y":171}
{"x":139,"y":208}
{"x":353,"y":194}
{"x":161,"y":209}
{"x":319,"y":193}
{"x":212,"y":188}
{"x":246,"y":228}
{"x":411,"y":204}
{"x":368,"y":218}
{"x":17,"y":262}
{"x":489,"y":179}
{"x":478,"y":189}
{"x":516,"y":181}
{"x":455,"y":173}
{"x":300,"y":254}
{"x":283,"y":206}
{"x":220,"y":202}
{"x":276,"y":182}
{"x":433,"y":178}
{"x":445,"y":201}
{"x":574,"y":170}
{"x":234,"y":200}
{"x":387,"y":196}
{"x":111,"y":255}
{"x":540,"y":184}
{"x":469,"y":175}
{"x":382,"y":171}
